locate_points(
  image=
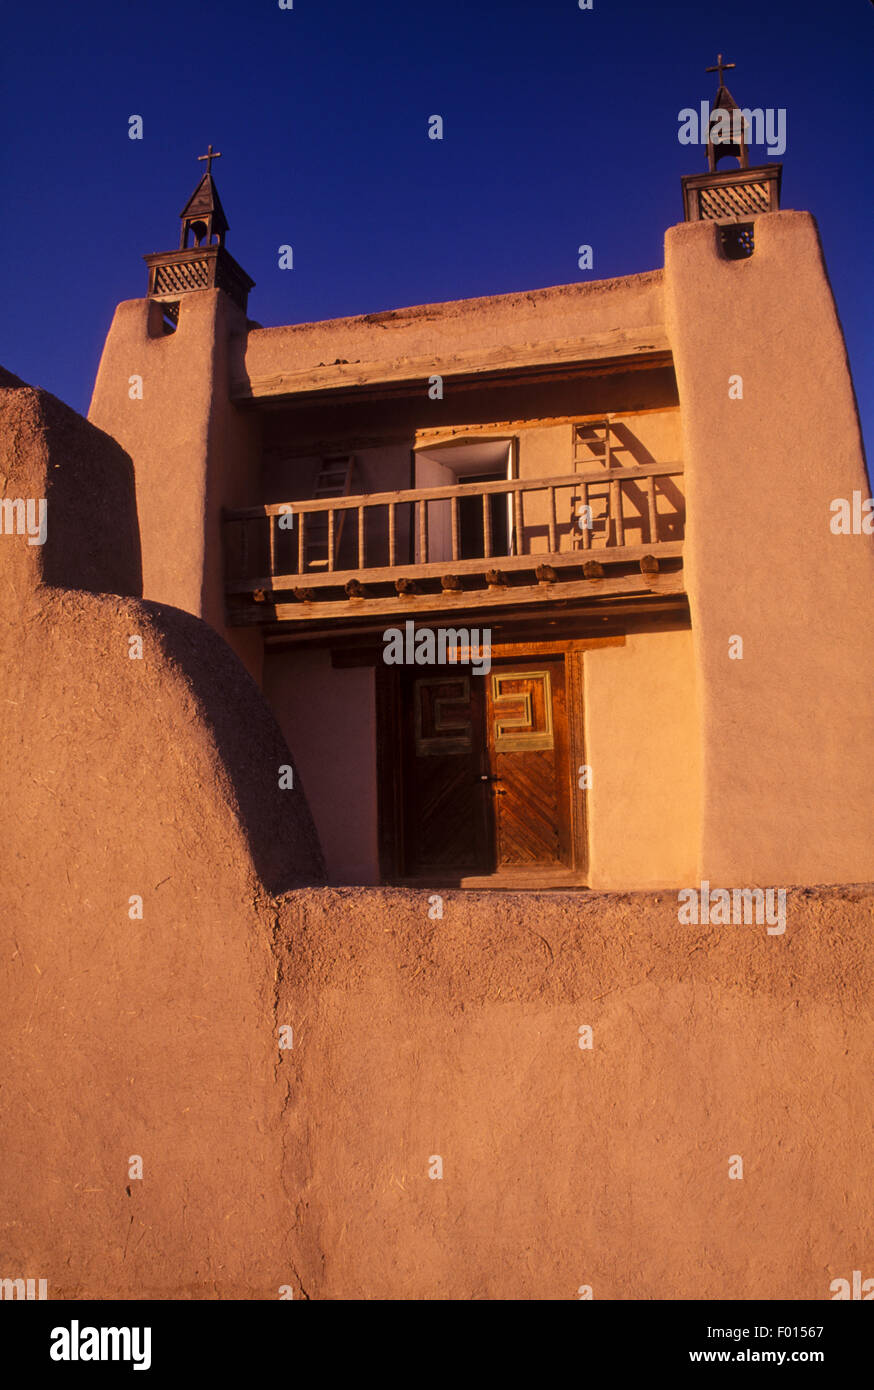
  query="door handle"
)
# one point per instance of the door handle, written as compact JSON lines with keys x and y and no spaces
{"x":487,"y":777}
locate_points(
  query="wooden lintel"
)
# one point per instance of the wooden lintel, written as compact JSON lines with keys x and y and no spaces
{"x":350,"y":658}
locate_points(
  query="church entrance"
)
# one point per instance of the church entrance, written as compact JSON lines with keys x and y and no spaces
{"x":485,"y":772}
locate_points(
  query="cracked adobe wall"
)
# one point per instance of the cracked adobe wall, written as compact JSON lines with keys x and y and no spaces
{"x":158,"y":778}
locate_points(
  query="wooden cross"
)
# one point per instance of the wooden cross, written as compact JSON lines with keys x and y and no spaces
{"x":209,"y":156}
{"x":720,"y":65}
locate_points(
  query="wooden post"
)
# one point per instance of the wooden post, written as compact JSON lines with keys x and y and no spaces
{"x":300,"y":544}
{"x":552,"y":542}
{"x":271,"y":542}
{"x":423,"y":532}
{"x":330,"y":538}
{"x":616,"y":511}
{"x":653,"y":516}
{"x":487,"y":526}
{"x":455,"y":534}
{"x":517,"y":518}
{"x":391,"y":532}
{"x":361,"y":564}
{"x":586,"y":530}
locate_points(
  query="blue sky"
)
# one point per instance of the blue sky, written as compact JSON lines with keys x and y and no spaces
{"x":560,"y":128}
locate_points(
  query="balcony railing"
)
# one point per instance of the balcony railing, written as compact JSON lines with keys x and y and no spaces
{"x":285,"y":553}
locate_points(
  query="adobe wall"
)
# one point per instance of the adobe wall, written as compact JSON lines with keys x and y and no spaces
{"x":563,"y":1167}
{"x":336,"y":756}
{"x":193,"y":452}
{"x":642,"y":743}
{"x":788,"y":731}
{"x":152,"y":778}
{"x":414,"y":1035}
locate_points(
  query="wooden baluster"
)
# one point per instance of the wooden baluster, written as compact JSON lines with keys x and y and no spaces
{"x":361,"y":565}
{"x":271,"y":544}
{"x":330,"y":538}
{"x":553,"y":547}
{"x":653,"y":516}
{"x":616,"y":511}
{"x":423,"y":531}
{"x":487,"y":525}
{"x":585,"y":529}
{"x":391,"y":532}
{"x":517,"y":517}
{"x":455,"y":532}
{"x":302,"y":516}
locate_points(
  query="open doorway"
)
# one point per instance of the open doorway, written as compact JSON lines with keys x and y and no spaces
{"x":459,"y":462}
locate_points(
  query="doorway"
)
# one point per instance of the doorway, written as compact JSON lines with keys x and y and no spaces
{"x":485,"y":773}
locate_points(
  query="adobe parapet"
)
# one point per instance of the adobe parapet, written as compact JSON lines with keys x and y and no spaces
{"x":599,"y":321}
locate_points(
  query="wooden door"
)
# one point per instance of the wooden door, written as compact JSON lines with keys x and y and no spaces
{"x":446,"y":806}
{"x":529,"y":760}
{"x":485,"y":770}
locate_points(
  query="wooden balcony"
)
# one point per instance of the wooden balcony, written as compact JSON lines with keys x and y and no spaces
{"x":418,"y":551}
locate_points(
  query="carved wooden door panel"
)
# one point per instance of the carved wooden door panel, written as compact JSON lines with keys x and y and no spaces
{"x":529,"y":760}
{"x":446,"y":802}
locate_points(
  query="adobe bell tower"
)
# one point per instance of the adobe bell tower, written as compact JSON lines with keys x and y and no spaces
{"x":202,"y":261}
{"x":731,"y":196}
{"x":163,"y":390}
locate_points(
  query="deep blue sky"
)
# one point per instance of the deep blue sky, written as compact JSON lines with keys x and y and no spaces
{"x":560,"y":128}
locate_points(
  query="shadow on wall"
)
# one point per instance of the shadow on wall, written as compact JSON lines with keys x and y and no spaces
{"x":92,"y":544}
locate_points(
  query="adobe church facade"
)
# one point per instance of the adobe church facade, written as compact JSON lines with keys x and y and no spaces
{"x":224,"y":1079}
{"x":625,"y":489}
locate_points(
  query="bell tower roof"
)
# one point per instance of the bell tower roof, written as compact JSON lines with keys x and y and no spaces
{"x":729,"y":131}
{"x":202,"y":261}
{"x":205,"y":202}
{"x":203,"y":217}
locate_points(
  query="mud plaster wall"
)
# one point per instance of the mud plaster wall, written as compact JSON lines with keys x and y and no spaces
{"x":642,"y":741}
{"x":153,"y":1037}
{"x":563,"y":1167}
{"x":787,"y":733}
{"x":192,"y":450}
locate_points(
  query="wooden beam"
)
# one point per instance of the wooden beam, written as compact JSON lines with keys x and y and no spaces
{"x":352,"y":658}
{"x":510,"y":564}
{"x":435,"y":494}
{"x":625,"y":585}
